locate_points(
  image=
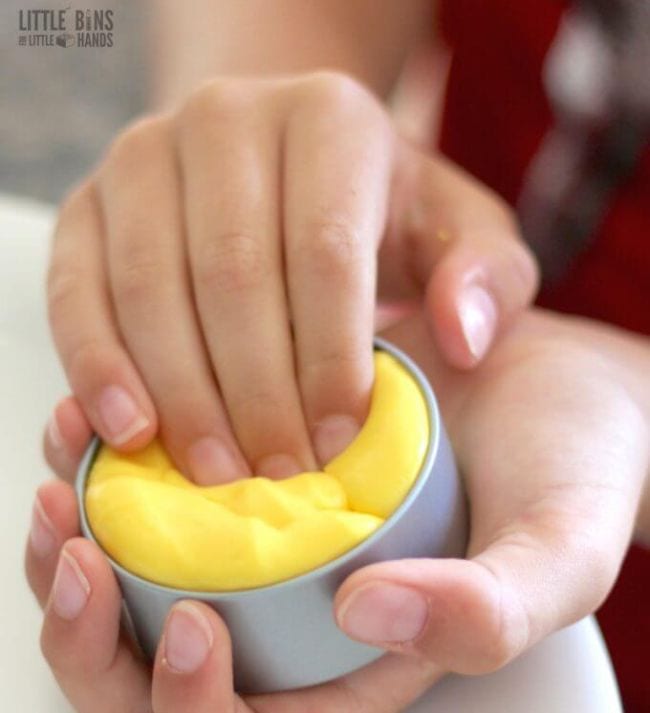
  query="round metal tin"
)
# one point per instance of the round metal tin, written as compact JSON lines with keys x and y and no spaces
{"x":284,"y":635}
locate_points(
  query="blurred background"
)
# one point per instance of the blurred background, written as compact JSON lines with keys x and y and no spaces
{"x":60,"y":106}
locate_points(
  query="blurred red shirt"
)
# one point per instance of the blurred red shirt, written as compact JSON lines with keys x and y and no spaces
{"x":495,"y":118}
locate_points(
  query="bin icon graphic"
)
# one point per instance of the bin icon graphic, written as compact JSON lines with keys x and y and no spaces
{"x":65,"y":40}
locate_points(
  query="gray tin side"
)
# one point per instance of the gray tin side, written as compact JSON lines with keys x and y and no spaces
{"x":284,"y":635}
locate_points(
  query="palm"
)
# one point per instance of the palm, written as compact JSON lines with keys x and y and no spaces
{"x":532,"y":487}
{"x":545,"y":440}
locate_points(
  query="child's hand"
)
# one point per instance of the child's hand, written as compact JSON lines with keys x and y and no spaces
{"x":215,"y":278}
{"x":98,"y":668}
{"x":553,"y":451}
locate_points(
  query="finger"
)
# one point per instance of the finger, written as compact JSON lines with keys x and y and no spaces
{"x":452,"y":612}
{"x":66,"y":438}
{"x":388,"y":685}
{"x":545,"y":553}
{"x":337,"y":170}
{"x":153,"y":300}
{"x":98,"y":368}
{"x":193,"y":667}
{"x":461,"y":243}
{"x":230,"y":156}
{"x":54,"y":520}
{"x":95,"y":667}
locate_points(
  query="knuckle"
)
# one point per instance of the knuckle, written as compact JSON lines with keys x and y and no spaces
{"x":345,"y":365}
{"x":213,"y":102}
{"x":504,"y":624}
{"x":30,"y":569}
{"x":336,"y":381}
{"x":258,"y":400}
{"x":46,"y":647}
{"x":342,"y":96}
{"x":526,"y":269}
{"x":136,"y":142}
{"x":504,"y":211}
{"x":352,"y":698}
{"x":61,"y":660}
{"x":336,"y":89}
{"x":88,"y":357}
{"x":46,"y":450}
{"x":232,"y":263}
{"x":76,"y":198}
{"x":64,"y":274}
{"x":49,"y":650}
{"x":498,"y":652}
{"x":503,"y":642}
{"x":266,"y":413}
{"x":62,"y":286}
{"x":334,"y":253}
{"x":139,"y":279}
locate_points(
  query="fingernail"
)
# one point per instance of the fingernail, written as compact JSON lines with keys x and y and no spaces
{"x":188,"y":638}
{"x":120,"y":414}
{"x":71,"y":588}
{"x":478,"y":317}
{"x":383,"y":613}
{"x":278,"y":465}
{"x":211,"y":461}
{"x":41,"y":533}
{"x":54,"y":433}
{"x":332,"y":435}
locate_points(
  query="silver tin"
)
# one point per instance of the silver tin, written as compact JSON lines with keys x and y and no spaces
{"x":284,"y":635}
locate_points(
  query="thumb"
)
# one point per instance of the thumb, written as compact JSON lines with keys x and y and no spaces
{"x":474,"y":616}
{"x":459,"y":243}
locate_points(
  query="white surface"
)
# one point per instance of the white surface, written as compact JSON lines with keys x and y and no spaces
{"x":568,"y":673}
{"x":30,"y":383}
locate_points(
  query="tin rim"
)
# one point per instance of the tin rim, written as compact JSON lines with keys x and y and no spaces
{"x":426,"y":470}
